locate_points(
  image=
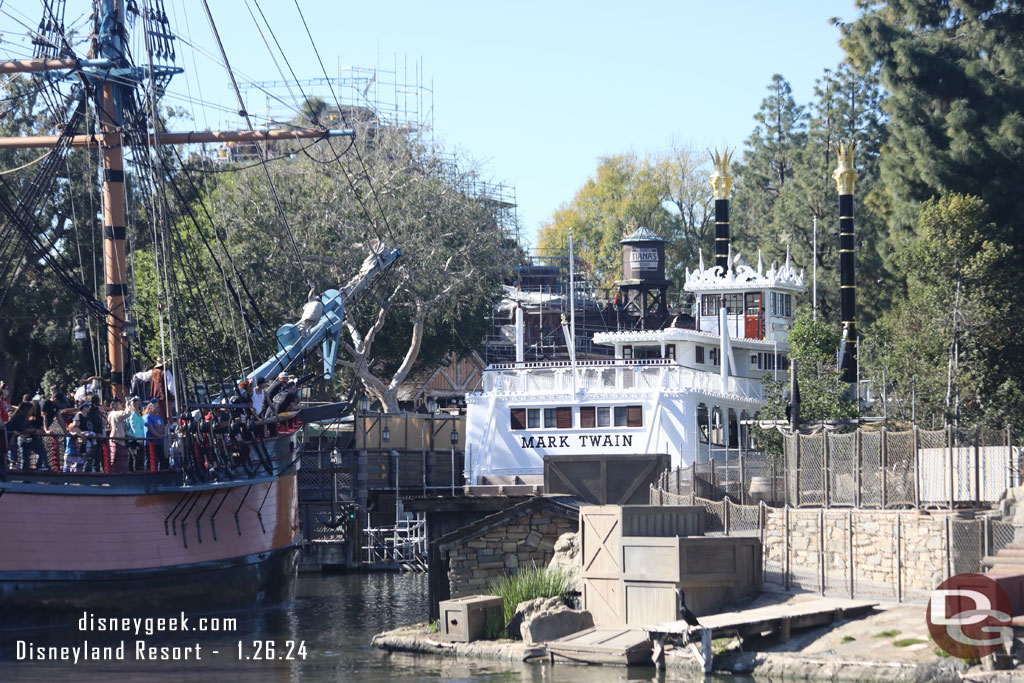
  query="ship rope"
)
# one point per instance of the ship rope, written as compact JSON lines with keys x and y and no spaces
{"x":259,"y":149}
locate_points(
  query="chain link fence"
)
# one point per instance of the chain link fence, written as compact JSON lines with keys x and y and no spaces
{"x":867,"y":468}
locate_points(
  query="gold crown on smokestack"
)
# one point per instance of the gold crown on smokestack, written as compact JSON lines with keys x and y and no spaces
{"x":844,"y":175}
{"x":721,"y":181}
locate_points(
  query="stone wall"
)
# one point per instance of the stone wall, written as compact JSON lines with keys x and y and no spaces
{"x":893,"y":553}
{"x":526,"y":540}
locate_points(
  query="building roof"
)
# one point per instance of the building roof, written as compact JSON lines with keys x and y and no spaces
{"x":564,"y":506}
{"x":642,"y":234}
{"x":681,"y":334}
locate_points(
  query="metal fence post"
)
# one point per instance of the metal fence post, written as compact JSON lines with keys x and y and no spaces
{"x":726,"y":517}
{"x":1015,"y":478}
{"x":857,"y":465}
{"x":915,"y":444}
{"x":977,"y":464}
{"x":786,"y":561}
{"x":986,"y":537}
{"x":952,"y":488}
{"x":849,"y":548}
{"x":796,"y":470}
{"x":826,"y":467}
{"x":883,"y":462}
{"x":949,"y":546}
{"x":821,"y":551}
{"x":743,"y":480}
{"x":899,"y":558}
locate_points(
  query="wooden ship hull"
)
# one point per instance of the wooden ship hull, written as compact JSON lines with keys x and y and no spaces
{"x":86,"y":541}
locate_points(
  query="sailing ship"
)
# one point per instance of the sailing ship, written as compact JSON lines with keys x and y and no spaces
{"x":222,"y":526}
{"x":685,"y":386}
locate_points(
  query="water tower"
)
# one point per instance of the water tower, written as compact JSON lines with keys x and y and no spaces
{"x":641,"y":302}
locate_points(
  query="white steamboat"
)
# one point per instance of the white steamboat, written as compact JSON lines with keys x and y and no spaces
{"x":683,"y":388}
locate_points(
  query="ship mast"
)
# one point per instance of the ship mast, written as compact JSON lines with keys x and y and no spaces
{"x":110,"y":118}
{"x":116,"y":78}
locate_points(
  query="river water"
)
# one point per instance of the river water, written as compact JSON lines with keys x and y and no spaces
{"x":323,"y":635}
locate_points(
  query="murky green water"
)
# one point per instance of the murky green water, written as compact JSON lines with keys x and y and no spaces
{"x":334,"y":617}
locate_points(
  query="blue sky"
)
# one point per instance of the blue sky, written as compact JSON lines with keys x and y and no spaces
{"x":534,"y":91}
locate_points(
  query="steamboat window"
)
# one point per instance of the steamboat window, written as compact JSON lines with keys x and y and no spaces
{"x":699,"y":354}
{"x":733,"y":303}
{"x":755,"y":360}
{"x":713,"y":353}
{"x":709,"y":304}
{"x":587,"y":419}
{"x":627,"y":352}
{"x":563,"y":418}
{"x":608,"y":416}
{"x":519,"y":418}
{"x":533,"y":418}
{"x":670,"y":351}
{"x":550,"y":418}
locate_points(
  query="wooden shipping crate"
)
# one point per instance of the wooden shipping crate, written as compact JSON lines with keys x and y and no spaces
{"x":465,"y":619}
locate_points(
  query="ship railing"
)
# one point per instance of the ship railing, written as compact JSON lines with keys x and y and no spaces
{"x":652,"y":375}
{"x":59,"y":451}
{"x":84,"y":454}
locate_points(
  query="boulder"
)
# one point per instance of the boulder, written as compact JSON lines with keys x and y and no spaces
{"x":545,"y":619}
{"x":567,"y":556}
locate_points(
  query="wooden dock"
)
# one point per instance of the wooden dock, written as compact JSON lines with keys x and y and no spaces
{"x":780,"y":619}
{"x":602,"y":645}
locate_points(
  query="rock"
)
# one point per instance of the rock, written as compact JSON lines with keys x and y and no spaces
{"x":567,"y":556}
{"x":552,"y":625}
{"x":546,"y":619}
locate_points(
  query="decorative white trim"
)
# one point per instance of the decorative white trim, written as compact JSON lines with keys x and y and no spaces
{"x":743,"y":276}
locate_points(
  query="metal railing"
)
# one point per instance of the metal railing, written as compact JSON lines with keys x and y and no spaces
{"x":556,"y":377}
{"x":402,"y":546}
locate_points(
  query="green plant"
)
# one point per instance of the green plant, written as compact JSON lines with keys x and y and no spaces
{"x":528,"y":583}
{"x":494,"y":627}
{"x":434,"y":626}
{"x":892,"y":633}
{"x":907,"y":642}
{"x":848,"y":639}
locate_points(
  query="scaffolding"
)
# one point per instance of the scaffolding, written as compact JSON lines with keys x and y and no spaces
{"x":393,"y":99}
{"x":540,"y":284}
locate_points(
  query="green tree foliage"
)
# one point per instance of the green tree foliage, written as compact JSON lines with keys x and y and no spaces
{"x":954,"y":74}
{"x":37,"y":314}
{"x":396,"y":191}
{"x":956,"y":339}
{"x":785,"y":182}
{"x":813,"y":344}
{"x":667,"y":192}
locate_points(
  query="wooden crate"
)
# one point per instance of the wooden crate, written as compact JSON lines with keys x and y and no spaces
{"x":465,"y":619}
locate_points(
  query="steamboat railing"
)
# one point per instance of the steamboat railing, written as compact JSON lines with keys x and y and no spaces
{"x":647,"y":375}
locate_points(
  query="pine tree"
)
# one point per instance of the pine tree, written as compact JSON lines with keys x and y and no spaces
{"x":954,"y":73}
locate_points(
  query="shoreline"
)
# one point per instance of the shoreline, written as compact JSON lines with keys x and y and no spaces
{"x":868,"y":648}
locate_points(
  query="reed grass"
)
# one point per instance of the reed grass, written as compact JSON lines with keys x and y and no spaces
{"x":528,"y":583}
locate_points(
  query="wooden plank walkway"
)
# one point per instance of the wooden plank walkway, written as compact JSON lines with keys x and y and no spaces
{"x":780,"y":619}
{"x":602,"y":645}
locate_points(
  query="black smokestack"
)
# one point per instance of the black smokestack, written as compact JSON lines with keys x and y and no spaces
{"x":845,"y":177}
{"x":721,"y":183}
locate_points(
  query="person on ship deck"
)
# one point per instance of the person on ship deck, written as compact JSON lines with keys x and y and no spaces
{"x":155,"y":432}
{"x":27,"y":423}
{"x":161,"y":386}
{"x":81,"y":443}
{"x":117,"y":420}
{"x":136,"y":432}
